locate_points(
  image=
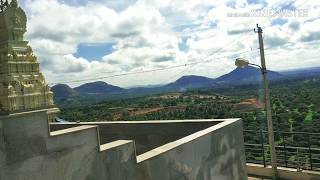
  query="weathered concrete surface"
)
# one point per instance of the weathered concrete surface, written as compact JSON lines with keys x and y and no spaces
{"x":29,"y":151}
{"x":146,"y":135}
{"x":218,"y":155}
{"x":283,"y":173}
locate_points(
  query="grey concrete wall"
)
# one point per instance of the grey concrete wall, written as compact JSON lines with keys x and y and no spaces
{"x":32,"y":154}
{"x":215,"y":156}
{"x":258,"y":170}
{"x":2,"y":145}
{"x":147,"y":136}
{"x":28,"y":152}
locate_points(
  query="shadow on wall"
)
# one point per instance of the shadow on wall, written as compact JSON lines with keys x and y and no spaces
{"x":218,"y":155}
{"x":222,"y":166}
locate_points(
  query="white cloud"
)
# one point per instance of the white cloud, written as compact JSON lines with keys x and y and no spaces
{"x":147,"y":33}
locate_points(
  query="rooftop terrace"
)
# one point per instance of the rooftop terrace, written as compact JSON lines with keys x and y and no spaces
{"x":157,"y":150}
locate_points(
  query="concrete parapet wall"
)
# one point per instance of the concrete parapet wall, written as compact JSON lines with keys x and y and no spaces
{"x":215,"y":153}
{"x":283,"y":173}
{"x":28,"y":150}
{"x":146,"y":134}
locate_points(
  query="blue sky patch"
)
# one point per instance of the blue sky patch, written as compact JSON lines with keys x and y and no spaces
{"x":181,"y":27}
{"x":264,"y":2}
{"x":183,"y":45}
{"x":231,"y":4}
{"x":279,"y":21}
{"x":117,"y":5}
{"x":94,"y":51}
{"x":74,"y":2}
{"x":287,"y":6}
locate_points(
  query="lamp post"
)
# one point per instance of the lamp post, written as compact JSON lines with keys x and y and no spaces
{"x":240,"y":62}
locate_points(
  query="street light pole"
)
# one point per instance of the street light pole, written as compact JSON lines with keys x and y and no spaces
{"x":267,"y":105}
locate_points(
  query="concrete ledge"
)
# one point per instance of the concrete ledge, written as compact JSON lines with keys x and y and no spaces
{"x":169,"y":146}
{"x":70,"y":130}
{"x":114,"y":144}
{"x":220,"y":123}
{"x":283,"y":173}
{"x":146,"y":122}
{"x":147,"y":135}
{"x":15,"y":114}
{"x":180,"y":149}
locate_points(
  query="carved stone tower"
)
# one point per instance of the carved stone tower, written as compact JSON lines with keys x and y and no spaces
{"x":22,"y":86}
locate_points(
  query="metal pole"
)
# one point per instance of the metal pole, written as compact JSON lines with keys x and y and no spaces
{"x":310,"y":152}
{"x":267,"y":105}
{"x":284,"y":149}
{"x":262,"y":146}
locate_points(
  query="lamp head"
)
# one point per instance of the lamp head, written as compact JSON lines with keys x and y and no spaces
{"x":240,"y":62}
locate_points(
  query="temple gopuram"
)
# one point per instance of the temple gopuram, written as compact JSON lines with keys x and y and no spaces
{"x":22,"y":85}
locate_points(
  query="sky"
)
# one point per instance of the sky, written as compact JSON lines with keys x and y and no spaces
{"x":79,"y":41}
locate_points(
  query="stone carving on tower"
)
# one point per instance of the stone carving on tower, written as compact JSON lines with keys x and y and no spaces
{"x":22,"y":85}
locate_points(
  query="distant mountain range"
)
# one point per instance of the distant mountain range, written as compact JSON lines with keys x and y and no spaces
{"x":62,"y":91}
{"x":305,"y":72}
{"x":248,"y":75}
{"x":190,"y":82}
{"x":98,"y":87}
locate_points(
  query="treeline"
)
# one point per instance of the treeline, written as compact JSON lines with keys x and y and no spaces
{"x":295,"y":108}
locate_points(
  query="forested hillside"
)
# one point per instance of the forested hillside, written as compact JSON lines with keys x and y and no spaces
{"x":295,"y":106}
